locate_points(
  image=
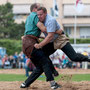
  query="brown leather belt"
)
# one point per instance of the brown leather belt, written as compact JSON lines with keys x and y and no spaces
{"x":34,"y":37}
{"x":28,"y":42}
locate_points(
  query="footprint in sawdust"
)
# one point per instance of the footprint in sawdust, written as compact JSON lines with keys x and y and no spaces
{"x":33,"y":87}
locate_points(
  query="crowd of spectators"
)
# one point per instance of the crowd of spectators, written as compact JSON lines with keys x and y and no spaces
{"x":13,"y":61}
{"x":64,"y":62}
{"x":16,"y":61}
{"x":21,"y":61}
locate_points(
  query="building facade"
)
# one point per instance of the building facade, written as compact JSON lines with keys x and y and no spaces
{"x":69,"y":20}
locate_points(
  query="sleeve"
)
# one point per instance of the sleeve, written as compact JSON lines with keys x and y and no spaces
{"x":36,"y":20}
{"x":52,"y":26}
{"x":27,"y":61}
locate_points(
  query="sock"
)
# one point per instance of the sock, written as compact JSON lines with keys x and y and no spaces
{"x":52,"y":83}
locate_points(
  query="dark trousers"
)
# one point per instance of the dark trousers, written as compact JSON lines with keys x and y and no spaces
{"x":68,"y":50}
{"x":41,"y":63}
{"x":48,"y":50}
{"x":71,"y":53}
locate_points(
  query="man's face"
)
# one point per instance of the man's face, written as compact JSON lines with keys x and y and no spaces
{"x":41,"y":15}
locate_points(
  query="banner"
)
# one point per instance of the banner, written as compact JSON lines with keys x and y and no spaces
{"x":79,"y":6}
{"x":55,"y":8}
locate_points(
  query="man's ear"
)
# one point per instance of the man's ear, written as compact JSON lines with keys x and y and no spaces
{"x":45,"y":13}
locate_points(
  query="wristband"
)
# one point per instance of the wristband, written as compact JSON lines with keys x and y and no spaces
{"x":62,"y":32}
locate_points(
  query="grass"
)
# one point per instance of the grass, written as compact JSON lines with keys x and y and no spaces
{"x":12,"y":77}
{"x":81,"y":77}
{"x":21,"y":77}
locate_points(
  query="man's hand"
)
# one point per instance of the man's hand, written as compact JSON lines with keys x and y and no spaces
{"x":37,"y":46}
{"x":48,"y":38}
{"x":22,"y":37}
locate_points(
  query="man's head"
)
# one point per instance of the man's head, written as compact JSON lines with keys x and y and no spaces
{"x":42,"y":12}
{"x":34,"y":7}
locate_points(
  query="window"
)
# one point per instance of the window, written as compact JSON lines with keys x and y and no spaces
{"x":19,"y":16}
{"x":67,"y":30}
{"x":69,"y":11}
{"x":85,"y":32}
{"x":21,"y":9}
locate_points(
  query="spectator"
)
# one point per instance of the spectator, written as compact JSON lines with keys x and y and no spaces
{"x":1,"y":64}
{"x":60,"y":62}
{"x":89,"y":54}
{"x":11,"y":59}
{"x":85,"y":53}
{"x":85,"y":64}
{"x":63,"y":56}
{"x":21,"y":60}
{"x":6,"y":62}
{"x":69,"y":64}
{"x":55,"y":61}
{"x":65,"y":62}
{"x":28,"y":66}
{"x":15,"y":62}
{"x":74,"y":65}
{"x":4,"y":59}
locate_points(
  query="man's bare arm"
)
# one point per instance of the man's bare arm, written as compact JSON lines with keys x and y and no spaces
{"x":41,"y":26}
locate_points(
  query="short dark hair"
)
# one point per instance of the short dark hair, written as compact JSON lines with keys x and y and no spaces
{"x":42,"y":8}
{"x":33,"y":6}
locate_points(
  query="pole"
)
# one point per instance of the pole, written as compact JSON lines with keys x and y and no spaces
{"x":53,"y":7}
{"x":79,"y":8}
{"x":75,"y":27}
{"x":35,"y":1}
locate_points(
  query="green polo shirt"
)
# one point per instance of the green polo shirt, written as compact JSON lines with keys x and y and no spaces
{"x":31,"y":25}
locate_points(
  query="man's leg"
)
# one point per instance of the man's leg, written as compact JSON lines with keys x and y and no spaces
{"x":41,"y":63}
{"x":42,"y":60}
{"x":34,"y":75}
{"x":48,"y":50}
{"x":46,"y":68}
{"x":70,"y":52}
{"x":26,"y":71}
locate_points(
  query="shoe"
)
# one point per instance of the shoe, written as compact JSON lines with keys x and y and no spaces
{"x":23,"y":85}
{"x":88,"y":60}
{"x":55,"y":86}
{"x":55,"y":73}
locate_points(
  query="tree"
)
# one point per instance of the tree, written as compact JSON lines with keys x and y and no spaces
{"x":17,"y":30}
{"x":8,"y":28}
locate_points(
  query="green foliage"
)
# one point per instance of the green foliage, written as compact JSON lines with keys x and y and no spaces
{"x":8,"y":27}
{"x":10,"y":30}
{"x":6,"y":18}
{"x":17,"y":31}
{"x":11,"y":46}
{"x":80,"y":41}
